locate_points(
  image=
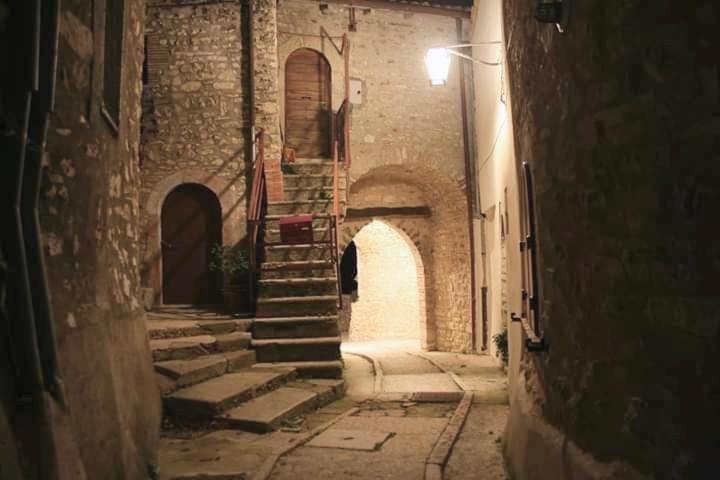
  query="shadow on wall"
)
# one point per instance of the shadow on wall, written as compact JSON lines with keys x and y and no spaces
{"x":391,"y":297}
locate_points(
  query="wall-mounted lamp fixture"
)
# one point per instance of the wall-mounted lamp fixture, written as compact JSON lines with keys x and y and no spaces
{"x":553,"y":11}
{"x":437,"y":61}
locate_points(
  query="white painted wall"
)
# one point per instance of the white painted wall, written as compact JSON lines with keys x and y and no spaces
{"x":497,"y":171}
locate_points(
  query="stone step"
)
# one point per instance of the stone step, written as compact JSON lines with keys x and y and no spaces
{"x":296,"y":306}
{"x":311,"y":166}
{"x":320,"y":220}
{"x":272,"y":236}
{"x":300,"y":269}
{"x":312,"y":180}
{"x":184,"y":373}
{"x":295,"y":327}
{"x":232,"y":341}
{"x":192,"y":312}
{"x":297,"y":349}
{"x":298,"y":207}
{"x":266,"y":413}
{"x":319,"y":369}
{"x":305,"y":193}
{"x":297,"y":287}
{"x":183,"y":348}
{"x":296,"y":253}
{"x":160,"y":327}
{"x":211,"y":397}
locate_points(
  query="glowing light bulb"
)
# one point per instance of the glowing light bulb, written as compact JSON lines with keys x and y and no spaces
{"x":437,"y":61}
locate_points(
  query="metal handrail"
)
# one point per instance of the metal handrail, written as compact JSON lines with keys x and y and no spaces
{"x":258,"y":198}
{"x":335,"y":219}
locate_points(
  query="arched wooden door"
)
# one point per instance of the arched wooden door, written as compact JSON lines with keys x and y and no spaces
{"x":308,"y":108}
{"x":191,"y":226}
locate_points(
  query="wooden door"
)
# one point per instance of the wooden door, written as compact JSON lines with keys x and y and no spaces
{"x":308,"y":109}
{"x":191,"y":226}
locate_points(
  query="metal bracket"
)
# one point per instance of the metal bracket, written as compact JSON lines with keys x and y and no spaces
{"x":539,"y":345}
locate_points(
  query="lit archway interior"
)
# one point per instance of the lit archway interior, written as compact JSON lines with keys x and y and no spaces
{"x":391,"y":280}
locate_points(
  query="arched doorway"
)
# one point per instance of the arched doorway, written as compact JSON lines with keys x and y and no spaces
{"x":308,"y":108}
{"x":191,"y":224}
{"x":391,"y":286}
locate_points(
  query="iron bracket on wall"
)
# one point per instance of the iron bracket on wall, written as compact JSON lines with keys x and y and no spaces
{"x":533,"y":343}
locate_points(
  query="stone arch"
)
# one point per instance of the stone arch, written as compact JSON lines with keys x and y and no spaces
{"x":232,"y":204}
{"x":440,"y":234}
{"x":419,"y":262}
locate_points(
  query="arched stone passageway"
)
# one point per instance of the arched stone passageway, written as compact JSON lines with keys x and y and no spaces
{"x":391,"y":293}
{"x":431,"y":211}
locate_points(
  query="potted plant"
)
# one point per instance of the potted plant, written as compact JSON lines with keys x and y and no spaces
{"x":232,"y":261}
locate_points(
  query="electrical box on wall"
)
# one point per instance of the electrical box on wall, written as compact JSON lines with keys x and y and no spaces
{"x":356,"y":91}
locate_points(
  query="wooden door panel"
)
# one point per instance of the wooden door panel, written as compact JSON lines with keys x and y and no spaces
{"x":308,"y":108}
{"x":191,"y":226}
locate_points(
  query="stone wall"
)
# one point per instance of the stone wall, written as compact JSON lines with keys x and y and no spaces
{"x":440,"y":237}
{"x":619,"y":119}
{"x":89,"y":212}
{"x":196,"y":118}
{"x":400,"y":118}
{"x":403,"y":133}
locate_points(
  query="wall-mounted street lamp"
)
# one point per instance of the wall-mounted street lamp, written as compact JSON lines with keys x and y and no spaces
{"x":437,"y":60}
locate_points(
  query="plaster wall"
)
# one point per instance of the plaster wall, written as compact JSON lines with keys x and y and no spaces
{"x":497,"y":256}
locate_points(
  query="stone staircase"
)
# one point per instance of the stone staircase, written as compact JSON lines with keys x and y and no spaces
{"x":207,"y":374}
{"x":296,"y":322}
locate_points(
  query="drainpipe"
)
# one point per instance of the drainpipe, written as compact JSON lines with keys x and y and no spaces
{"x":469,"y":181}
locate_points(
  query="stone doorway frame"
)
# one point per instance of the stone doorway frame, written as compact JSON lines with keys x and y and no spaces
{"x":232,"y":205}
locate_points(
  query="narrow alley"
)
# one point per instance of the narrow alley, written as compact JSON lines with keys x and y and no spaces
{"x":359,"y":239}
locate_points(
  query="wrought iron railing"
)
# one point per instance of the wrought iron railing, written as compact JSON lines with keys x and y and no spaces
{"x":256,"y":207}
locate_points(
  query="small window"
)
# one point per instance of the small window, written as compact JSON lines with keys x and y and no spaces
{"x":112,"y":78}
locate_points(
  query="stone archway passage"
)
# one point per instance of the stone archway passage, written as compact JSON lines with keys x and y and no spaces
{"x":390,"y":302}
{"x":191,"y":225}
{"x":308,"y":103}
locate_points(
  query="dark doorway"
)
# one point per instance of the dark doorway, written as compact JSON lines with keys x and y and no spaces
{"x":308,"y":107}
{"x":191,"y":226}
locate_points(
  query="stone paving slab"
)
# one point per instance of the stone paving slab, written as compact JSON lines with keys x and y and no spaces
{"x":429,"y":382}
{"x":350,"y":439}
{"x":479,"y":446}
{"x":401,"y":457}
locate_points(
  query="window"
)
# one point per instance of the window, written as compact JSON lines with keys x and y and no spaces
{"x":112,"y":74}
